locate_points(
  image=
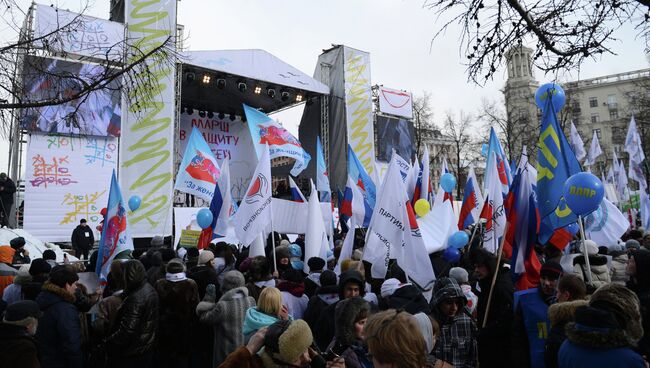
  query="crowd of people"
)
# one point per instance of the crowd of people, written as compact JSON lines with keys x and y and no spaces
{"x":218,"y":307}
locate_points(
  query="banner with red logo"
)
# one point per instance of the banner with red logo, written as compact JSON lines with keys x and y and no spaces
{"x":395,"y":102}
{"x":199,"y":170}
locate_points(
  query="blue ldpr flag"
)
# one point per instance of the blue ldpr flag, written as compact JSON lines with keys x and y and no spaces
{"x":556,"y":162}
{"x":358,"y":173}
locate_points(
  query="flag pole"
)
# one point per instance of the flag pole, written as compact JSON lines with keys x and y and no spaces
{"x":275,"y":261}
{"x":496,"y":273}
{"x":469,"y":244}
{"x":584,"y":250}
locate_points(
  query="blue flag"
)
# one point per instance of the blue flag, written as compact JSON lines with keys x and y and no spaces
{"x":357,"y":172}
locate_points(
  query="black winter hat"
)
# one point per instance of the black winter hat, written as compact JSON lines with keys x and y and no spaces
{"x":17,"y":243}
{"x":595,"y":318}
{"x":327,"y":278}
{"x":167,"y":254}
{"x":39,"y":266}
{"x":21,"y":310}
{"x":49,"y":254}
{"x":175,"y":266}
{"x":551,"y":270}
{"x":316,"y":264}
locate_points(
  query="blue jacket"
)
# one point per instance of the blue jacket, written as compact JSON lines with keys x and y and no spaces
{"x":59,"y":329}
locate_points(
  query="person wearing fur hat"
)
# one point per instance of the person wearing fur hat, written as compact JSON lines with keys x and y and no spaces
{"x":571,"y":294}
{"x":457,"y":342}
{"x":226,"y":316}
{"x":531,"y":323}
{"x":597,"y":265}
{"x":325,"y":295}
{"x":312,"y":281}
{"x":351,"y":284}
{"x":350,"y":317}
{"x":21,"y":255}
{"x":17,"y":330}
{"x":282,"y":258}
{"x":133,"y":336}
{"x":178,"y":298}
{"x":259,"y":276}
{"x":495,"y":334}
{"x":596,"y":339}
{"x":285,"y":343}
{"x":292,"y":287}
{"x":638,"y":268}
{"x":13,"y":292}
{"x":59,"y":329}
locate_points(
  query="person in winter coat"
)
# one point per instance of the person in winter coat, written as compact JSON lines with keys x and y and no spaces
{"x":203,"y":273}
{"x":39,"y":270}
{"x":14,"y":292}
{"x":571,"y":294}
{"x":598,"y":266}
{"x":462,"y":278}
{"x":59,"y":329}
{"x":178,"y":297}
{"x":268,"y":311}
{"x":638,"y":268}
{"x":493,"y":336}
{"x":133,"y":336}
{"x":312,"y":281}
{"x":21,"y":254}
{"x":226,"y":316}
{"x":82,"y":239}
{"x":326,"y":294}
{"x":7,"y":273}
{"x":224,"y":260}
{"x":108,"y":306}
{"x":259,"y":275}
{"x":596,"y":339}
{"x":17,"y":330}
{"x":7,"y":190}
{"x":618,"y":272}
{"x":457,"y":342}
{"x":351,"y":284}
{"x":292,"y":288}
{"x":350,"y":317}
{"x":403,"y":296}
{"x":394,"y":340}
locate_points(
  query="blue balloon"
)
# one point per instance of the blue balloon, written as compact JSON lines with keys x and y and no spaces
{"x":134,"y":202}
{"x":583,"y":193}
{"x":451,"y":255}
{"x":204,"y":218}
{"x":458,"y":239}
{"x":553,"y":91}
{"x":447,"y":182}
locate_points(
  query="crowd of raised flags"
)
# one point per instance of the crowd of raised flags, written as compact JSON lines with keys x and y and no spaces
{"x":515,"y":207}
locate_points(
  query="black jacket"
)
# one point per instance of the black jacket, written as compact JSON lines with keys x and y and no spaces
{"x":7,"y":194}
{"x":495,"y":338}
{"x":17,"y":348}
{"x":410,"y":299}
{"x":59,"y":329}
{"x":203,"y":276}
{"x":80,"y":240}
{"x":136,"y":322}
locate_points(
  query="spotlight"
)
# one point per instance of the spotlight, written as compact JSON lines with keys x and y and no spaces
{"x":190,"y":111}
{"x":270,"y":92}
{"x":221,"y":83}
{"x":232,"y":117}
{"x":284,"y":95}
{"x":298,"y":97}
{"x":258,"y":90}
{"x":202,"y":113}
{"x":241,"y":86}
{"x":190,"y":77}
{"x":206,"y":78}
{"x":221,"y":115}
{"x":210,"y":114}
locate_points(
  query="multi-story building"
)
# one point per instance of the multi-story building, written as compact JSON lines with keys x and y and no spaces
{"x":440,"y":146}
{"x":603,"y":105}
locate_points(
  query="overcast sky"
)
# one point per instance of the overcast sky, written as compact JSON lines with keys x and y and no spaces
{"x":398,"y":35}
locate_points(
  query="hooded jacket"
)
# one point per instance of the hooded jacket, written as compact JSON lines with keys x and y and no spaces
{"x":136,"y":322}
{"x":345,"y":314}
{"x":599,"y":271}
{"x":7,"y":272}
{"x":255,"y":320}
{"x":59,"y":329}
{"x":410,"y":299}
{"x":560,"y":315}
{"x":17,"y":348}
{"x":456,"y":344}
{"x":294,"y":297}
{"x":325,"y":295}
{"x":618,"y":272}
{"x":177,"y":303}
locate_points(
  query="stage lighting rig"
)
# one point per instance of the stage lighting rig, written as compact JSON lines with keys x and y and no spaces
{"x":221,"y":83}
{"x":210,"y":114}
{"x":190,"y":77}
{"x":202,"y":113}
{"x":299,"y":97}
{"x":241,"y":86}
{"x":284,"y":95}
{"x":258,"y":90}
{"x":190,"y":111}
{"x":270,"y":92}
{"x":206,"y":78}
{"x":221,"y":115}
{"x":232,"y":117}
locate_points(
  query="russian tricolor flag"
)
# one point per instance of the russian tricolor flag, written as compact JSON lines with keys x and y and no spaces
{"x":472,"y":202}
{"x":296,"y":194}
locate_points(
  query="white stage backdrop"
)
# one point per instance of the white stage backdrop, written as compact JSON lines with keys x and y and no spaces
{"x":226,"y":138}
{"x":358,"y":106}
{"x":146,"y":145}
{"x":395,"y":102}
{"x":67,"y":179}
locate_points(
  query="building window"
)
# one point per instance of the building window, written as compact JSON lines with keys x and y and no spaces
{"x":611,"y":99}
{"x":593,"y":102}
{"x":595,"y":118}
{"x":597,"y":133}
{"x":613,"y":114}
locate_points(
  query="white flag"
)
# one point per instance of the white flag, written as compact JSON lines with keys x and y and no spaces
{"x":636,"y":173}
{"x":606,"y":225}
{"x":621,"y":182}
{"x":254,"y":213}
{"x":224,"y":219}
{"x":437,"y":226}
{"x":577,"y":144}
{"x":257,"y":246}
{"x":412,"y":178}
{"x":424,"y":189}
{"x":316,"y":242}
{"x":348,"y":244}
{"x":493,"y":211}
{"x":357,"y":203}
{"x":633,"y":143}
{"x":645,"y":209}
{"x":594,"y":151}
{"x":413,"y":257}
